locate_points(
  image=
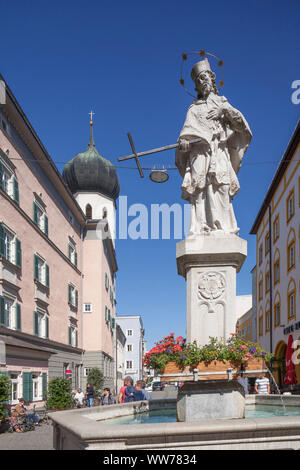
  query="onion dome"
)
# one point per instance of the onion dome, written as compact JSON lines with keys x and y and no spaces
{"x":89,"y":171}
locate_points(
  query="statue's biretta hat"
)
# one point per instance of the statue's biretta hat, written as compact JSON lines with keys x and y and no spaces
{"x":200,"y":67}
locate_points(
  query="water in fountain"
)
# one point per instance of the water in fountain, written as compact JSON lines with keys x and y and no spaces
{"x":277,"y":388}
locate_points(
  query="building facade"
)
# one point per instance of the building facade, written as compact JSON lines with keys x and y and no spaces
{"x":133,"y":329}
{"x":57,"y":261}
{"x":277,"y":272}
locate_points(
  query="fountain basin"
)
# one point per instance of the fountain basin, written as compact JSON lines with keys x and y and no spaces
{"x":88,"y":429}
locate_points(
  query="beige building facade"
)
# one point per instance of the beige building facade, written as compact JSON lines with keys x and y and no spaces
{"x":277,"y":272}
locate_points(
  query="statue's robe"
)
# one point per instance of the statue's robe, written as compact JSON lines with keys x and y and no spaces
{"x":209,"y":169}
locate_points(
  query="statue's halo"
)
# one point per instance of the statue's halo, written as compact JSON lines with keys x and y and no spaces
{"x":202,"y":53}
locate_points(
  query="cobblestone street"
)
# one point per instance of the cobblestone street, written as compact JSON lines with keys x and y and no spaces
{"x":39,"y":439}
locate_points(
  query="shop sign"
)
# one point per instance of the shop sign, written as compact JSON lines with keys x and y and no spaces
{"x":291,"y":328}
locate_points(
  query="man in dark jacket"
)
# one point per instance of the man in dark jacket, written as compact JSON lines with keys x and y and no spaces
{"x":90,"y":395}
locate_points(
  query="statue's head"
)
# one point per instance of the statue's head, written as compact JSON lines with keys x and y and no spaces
{"x":204,"y":79}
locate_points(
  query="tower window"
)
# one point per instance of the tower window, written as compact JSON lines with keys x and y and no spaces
{"x":88,"y":211}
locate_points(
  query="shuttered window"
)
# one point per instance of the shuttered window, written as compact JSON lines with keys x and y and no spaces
{"x":27,"y":386}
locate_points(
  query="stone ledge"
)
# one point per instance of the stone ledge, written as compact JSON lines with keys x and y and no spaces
{"x":211,"y":251}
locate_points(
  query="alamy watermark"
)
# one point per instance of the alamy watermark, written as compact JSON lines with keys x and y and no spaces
{"x":145,"y":222}
{"x":295,"y":97}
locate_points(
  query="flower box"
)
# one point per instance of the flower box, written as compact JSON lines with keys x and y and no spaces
{"x":253,"y":364}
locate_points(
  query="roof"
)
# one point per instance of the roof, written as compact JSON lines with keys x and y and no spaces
{"x":89,"y":171}
{"x":287,"y":157}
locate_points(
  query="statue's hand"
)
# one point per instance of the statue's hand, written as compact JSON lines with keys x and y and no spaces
{"x":184,"y":145}
{"x":215,"y":113}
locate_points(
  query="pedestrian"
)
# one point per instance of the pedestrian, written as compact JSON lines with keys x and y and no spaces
{"x":146,"y":394}
{"x":90,"y":394}
{"x":243,"y":381}
{"x":79,"y":397}
{"x":107,"y":398}
{"x":127,"y":381}
{"x":138,"y":393}
{"x":129,"y":392}
{"x":262,"y":385}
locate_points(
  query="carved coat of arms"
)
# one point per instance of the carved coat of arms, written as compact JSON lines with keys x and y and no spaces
{"x":211,"y":285}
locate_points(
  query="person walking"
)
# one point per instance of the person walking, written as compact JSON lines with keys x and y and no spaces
{"x":262,"y":385}
{"x":90,"y":395}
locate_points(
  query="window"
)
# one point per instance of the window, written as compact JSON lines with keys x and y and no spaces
{"x":261,"y":325}
{"x":8,"y":182}
{"x":129,"y":347}
{"x":15,"y":387}
{"x":260,"y":254}
{"x":10,"y":246}
{"x":72,"y":255}
{"x":290,"y":206}
{"x":10,"y":313}
{"x":106,"y":282}
{"x":277,"y":314}
{"x":276,"y":271}
{"x":36,"y":387}
{"x":72,"y":296}
{"x":260,"y":289}
{"x":267,"y":243}
{"x":291,"y":255}
{"x":107,"y":314}
{"x":291,"y":299}
{"x":40,"y":324}
{"x":267,"y":281}
{"x":129,"y":333}
{"x":129,"y":365}
{"x":40,"y":218}
{"x":73,"y":336}
{"x":87,"y":308}
{"x":267,"y":320}
{"x":88,"y":211}
{"x":41,"y":271}
{"x":276,"y":229}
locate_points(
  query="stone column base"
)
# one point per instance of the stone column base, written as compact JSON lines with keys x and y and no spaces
{"x":210,"y":399}
{"x":209,"y":264}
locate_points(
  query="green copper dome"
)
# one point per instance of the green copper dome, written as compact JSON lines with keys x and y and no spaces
{"x":89,"y":171}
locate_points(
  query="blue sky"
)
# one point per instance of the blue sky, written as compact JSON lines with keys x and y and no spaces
{"x":122,"y":59}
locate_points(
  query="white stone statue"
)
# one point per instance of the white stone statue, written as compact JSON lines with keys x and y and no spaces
{"x":209,"y":168}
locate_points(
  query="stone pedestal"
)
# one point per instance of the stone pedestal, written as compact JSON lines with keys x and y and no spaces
{"x":210,"y":399}
{"x":209,"y":264}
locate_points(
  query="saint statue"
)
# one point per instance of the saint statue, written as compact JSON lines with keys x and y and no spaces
{"x":209,"y":168}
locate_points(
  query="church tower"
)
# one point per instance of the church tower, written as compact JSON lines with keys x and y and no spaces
{"x":94,"y":183}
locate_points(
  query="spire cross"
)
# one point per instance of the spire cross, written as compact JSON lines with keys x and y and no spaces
{"x":91,"y":114}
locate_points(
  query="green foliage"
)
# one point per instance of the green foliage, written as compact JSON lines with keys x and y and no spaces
{"x":95,"y":378}
{"x":59,"y":394}
{"x":4,"y":394}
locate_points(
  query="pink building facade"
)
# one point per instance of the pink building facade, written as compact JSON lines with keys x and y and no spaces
{"x":57,"y":276}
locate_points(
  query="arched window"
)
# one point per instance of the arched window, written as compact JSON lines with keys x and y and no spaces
{"x":291,"y":299}
{"x":291,"y":249}
{"x":88,"y":211}
{"x":277,"y":309}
